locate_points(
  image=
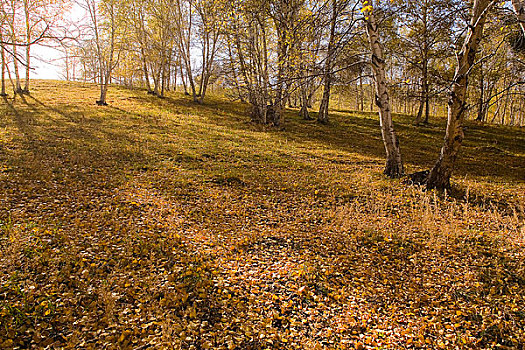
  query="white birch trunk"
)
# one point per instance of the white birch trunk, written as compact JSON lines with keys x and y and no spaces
{"x":394,"y":164}
{"x":439,"y":176}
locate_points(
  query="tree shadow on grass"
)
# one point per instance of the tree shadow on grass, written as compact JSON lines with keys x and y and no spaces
{"x":488,"y":151}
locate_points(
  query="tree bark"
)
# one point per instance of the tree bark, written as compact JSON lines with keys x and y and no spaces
{"x":208,"y":58}
{"x":427,"y":103}
{"x":28,"y":47}
{"x":322,"y":116}
{"x":481,"y":107}
{"x":394,"y":164}
{"x":420,"y":110}
{"x":361,"y":94}
{"x":17,"y":86}
{"x":184,"y":31}
{"x":304,"y":100}
{"x":3,"y":92}
{"x":282,"y":47}
{"x":439,"y":176}
{"x":145,"y":70}
{"x":519,"y":7}
{"x":107,"y":64}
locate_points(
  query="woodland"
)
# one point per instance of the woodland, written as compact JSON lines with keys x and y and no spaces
{"x":263,"y":174}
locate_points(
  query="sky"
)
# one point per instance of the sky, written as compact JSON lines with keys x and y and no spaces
{"x":48,"y":62}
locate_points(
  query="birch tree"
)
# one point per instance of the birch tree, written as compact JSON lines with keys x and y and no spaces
{"x":322,"y":116}
{"x":394,"y":165}
{"x":103,"y":22}
{"x":440,"y":174}
{"x":3,"y":64}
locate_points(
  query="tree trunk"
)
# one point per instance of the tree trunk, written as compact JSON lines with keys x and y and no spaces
{"x":405,"y":103}
{"x":169,"y":64}
{"x":519,"y":7}
{"x":145,"y":70}
{"x":439,"y":176}
{"x":427,"y":104}
{"x":4,"y":67}
{"x":103,"y":89}
{"x":208,"y":68}
{"x":18,"y":86}
{"x":174,"y":77}
{"x":163,"y":75}
{"x":481,"y":113}
{"x":394,"y":164}
{"x":191,"y":81}
{"x":183,"y":78}
{"x":361,"y":94}
{"x":304,"y":101}
{"x":356,"y":96}
{"x":372,"y":94}
{"x":420,"y":110}
{"x":282,"y":48}
{"x":424,"y":97}
{"x":303,"y":112}
{"x":322,"y":116}
{"x":28,"y":47}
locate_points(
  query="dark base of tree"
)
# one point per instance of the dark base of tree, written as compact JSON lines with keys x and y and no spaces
{"x":438,"y":178}
{"x":418,"y":178}
{"x":155,"y":94}
{"x":3,"y":95}
{"x":422,"y":178}
{"x":101,"y":103}
{"x":271,"y":118}
{"x":322,"y":116}
{"x":303,"y":112}
{"x":393,"y":170}
{"x":517,"y":42}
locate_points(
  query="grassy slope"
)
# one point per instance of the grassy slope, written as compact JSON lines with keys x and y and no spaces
{"x":165,"y":223}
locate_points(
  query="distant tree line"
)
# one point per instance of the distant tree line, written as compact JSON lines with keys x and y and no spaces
{"x":409,"y":56}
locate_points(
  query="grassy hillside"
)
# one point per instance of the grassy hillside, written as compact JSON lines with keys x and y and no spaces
{"x":157,"y":223}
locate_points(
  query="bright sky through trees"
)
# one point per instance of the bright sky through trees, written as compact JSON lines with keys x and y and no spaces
{"x":49,"y":59}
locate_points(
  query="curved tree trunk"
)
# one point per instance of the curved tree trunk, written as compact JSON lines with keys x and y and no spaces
{"x":394,"y":164}
{"x":439,"y":176}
